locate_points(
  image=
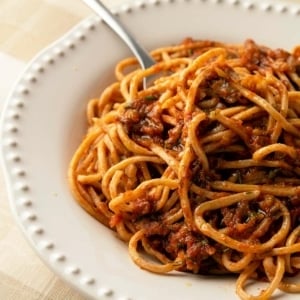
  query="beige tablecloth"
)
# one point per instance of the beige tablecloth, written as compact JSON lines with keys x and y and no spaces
{"x":27,"y":26}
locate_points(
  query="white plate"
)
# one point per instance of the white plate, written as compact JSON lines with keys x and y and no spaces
{"x":44,"y":121}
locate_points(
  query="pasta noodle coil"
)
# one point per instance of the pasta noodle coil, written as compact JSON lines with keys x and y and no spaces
{"x":199,"y":172}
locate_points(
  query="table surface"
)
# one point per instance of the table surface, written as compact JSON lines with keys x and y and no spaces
{"x":26,"y":27}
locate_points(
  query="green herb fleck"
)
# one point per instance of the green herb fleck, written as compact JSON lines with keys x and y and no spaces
{"x":151,"y":97}
{"x":273,"y":173}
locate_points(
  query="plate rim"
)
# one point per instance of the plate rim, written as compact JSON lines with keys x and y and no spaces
{"x":15,"y":178}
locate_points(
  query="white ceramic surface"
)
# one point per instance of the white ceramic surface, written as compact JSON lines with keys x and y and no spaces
{"x":44,"y":121}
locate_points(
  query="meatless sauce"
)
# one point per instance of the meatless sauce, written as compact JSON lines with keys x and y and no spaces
{"x":144,"y":124}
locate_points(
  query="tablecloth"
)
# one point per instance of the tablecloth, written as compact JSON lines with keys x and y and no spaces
{"x":26,"y":27}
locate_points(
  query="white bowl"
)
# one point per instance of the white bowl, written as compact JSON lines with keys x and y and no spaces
{"x":44,"y":121}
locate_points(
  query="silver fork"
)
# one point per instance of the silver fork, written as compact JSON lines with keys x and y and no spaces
{"x":143,"y":57}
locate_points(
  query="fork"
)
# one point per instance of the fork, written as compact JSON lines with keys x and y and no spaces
{"x":143,"y":57}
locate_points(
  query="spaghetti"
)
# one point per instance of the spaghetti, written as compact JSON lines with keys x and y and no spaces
{"x":201,"y":170}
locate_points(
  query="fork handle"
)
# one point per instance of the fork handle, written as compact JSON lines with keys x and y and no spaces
{"x":141,"y":54}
